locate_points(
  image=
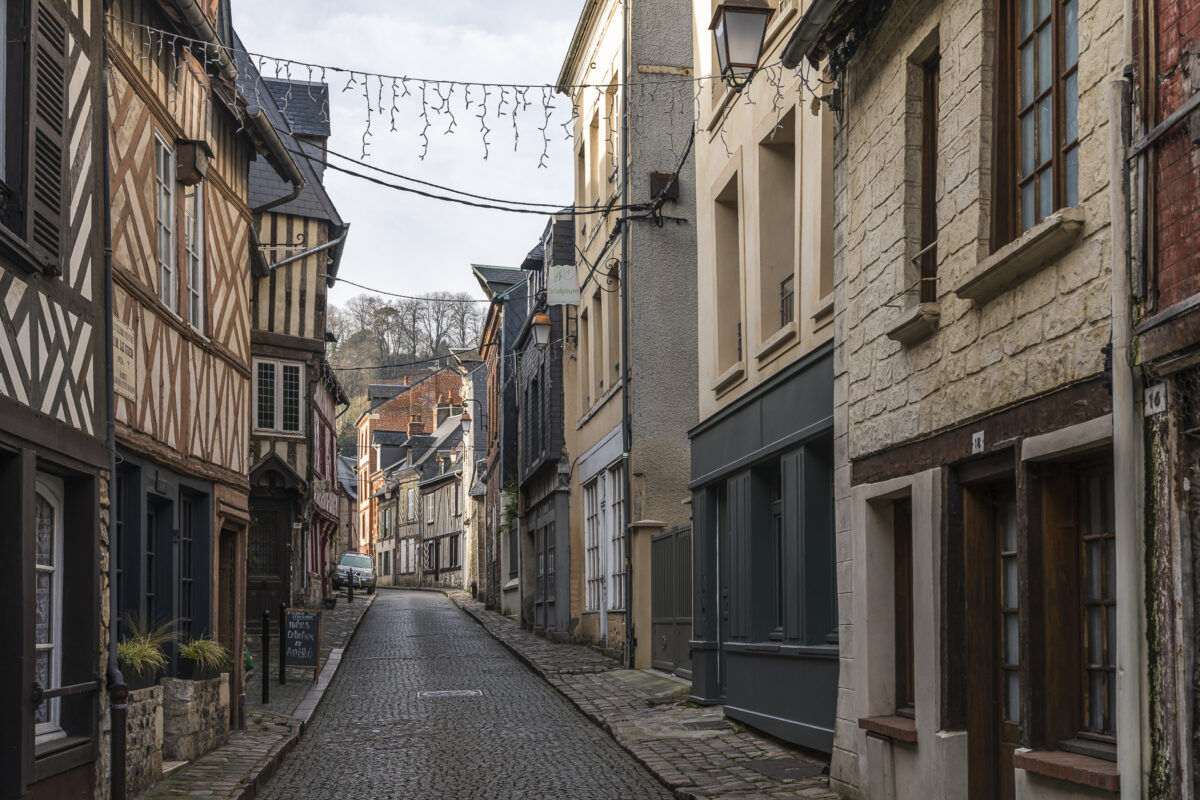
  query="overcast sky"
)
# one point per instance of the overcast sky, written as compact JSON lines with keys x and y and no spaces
{"x":403,"y":243}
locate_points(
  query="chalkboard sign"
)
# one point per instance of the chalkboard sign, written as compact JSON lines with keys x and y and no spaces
{"x":302,"y":639}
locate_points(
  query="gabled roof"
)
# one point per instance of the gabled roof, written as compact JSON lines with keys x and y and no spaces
{"x":305,"y":104}
{"x":496,"y":280}
{"x":265,"y":185}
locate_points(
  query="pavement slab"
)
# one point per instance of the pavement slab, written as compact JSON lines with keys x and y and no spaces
{"x":693,"y":750}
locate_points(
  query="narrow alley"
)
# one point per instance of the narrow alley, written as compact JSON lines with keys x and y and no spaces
{"x":384,"y":731}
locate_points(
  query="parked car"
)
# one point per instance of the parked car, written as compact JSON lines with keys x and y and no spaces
{"x":355,"y":567}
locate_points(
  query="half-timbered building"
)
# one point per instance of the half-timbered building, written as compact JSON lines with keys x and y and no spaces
{"x":183,"y":136}
{"x":292,"y":470}
{"x":53,"y":355}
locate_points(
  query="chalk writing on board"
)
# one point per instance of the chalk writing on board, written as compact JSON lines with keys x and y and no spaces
{"x":302,"y":638}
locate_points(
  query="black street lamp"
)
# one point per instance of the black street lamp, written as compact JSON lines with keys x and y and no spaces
{"x":740,"y":27}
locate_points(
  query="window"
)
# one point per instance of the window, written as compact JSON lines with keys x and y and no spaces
{"x":1010,"y":635}
{"x":277,"y":396}
{"x":514,"y":550}
{"x":583,"y":351}
{"x":927,"y":255}
{"x":616,"y":527}
{"x":33,"y":129}
{"x":193,"y":245}
{"x":902,"y":605}
{"x":777,"y":226}
{"x":48,"y":596}
{"x":164,"y":191}
{"x":550,"y":563}
{"x":186,"y":581}
{"x":452,"y":561}
{"x":1099,"y":561}
{"x":727,"y":231}
{"x":594,"y":577}
{"x":412,"y":504}
{"x":599,"y":342}
{"x":1037,"y":156}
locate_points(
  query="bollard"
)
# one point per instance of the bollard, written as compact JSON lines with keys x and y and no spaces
{"x":350,"y":587}
{"x":282,"y":643}
{"x":266,"y":665}
{"x":474,"y":591}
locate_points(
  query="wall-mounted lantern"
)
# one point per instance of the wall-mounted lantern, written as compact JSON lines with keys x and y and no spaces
{"x":191,"y":161}
{"x":541,"y":330}
{"x":740,"y":28}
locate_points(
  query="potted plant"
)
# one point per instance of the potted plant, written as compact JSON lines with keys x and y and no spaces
{"x":140,"y":653}
{"x":201,"y":659}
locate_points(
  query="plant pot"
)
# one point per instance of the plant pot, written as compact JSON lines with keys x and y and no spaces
{"x":140,"y":680}
{"x":189,"y":670}
{"x":330,"y":603}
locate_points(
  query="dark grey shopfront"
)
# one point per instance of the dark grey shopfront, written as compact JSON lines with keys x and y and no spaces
{"x":764,"y":582}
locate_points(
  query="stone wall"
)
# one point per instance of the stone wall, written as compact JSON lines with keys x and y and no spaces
{"x":144,"y":739}
{"x":1043,"y":332}
{"x":195,"y":717}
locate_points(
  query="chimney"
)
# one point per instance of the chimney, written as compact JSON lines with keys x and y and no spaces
{"x":443,"y":410}
{"x":405,"y":381}
{"x":416,"y":428}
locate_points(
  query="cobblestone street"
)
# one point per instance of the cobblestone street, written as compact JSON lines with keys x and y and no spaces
{"x":383,"y":731}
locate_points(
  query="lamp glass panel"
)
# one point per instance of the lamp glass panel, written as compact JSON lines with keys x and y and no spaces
{"x":745,"y":32}
{"x":722,"y":51}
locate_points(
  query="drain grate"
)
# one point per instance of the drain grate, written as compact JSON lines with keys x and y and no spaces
{"x":450,"y":693}
{"x":786,"y":769}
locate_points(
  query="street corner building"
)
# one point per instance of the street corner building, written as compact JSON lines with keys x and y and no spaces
{"x":635,"y":316}
{"x":989,"y":566}
{"x":54,"y":463}
{"x":766,"y":639}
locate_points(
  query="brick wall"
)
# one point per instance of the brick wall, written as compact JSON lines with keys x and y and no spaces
{"x":1177,"y":171}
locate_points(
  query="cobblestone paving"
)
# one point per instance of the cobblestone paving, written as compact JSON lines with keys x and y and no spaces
{"x":336,"y":626}
{"x":695,"y":751}
{"x":377,"y":736}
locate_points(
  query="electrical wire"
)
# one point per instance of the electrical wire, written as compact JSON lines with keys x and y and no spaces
{"x":409,"y":296}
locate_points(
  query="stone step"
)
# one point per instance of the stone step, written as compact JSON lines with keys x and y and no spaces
{"x":171,"y":767}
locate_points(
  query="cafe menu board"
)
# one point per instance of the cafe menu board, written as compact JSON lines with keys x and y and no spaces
{"x":302,"y":639}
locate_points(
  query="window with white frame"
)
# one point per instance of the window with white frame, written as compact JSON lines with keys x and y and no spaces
{"x":164,"y":190}
{"x":277,"y":396}
{"x":412,"y":504}
{"x":193,"y":246}
{"x":48,"y":594}
{"x":591,"y":530}
{"x":616,"y":539}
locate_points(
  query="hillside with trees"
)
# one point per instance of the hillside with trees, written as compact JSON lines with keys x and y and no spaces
{"x":377,"y":338}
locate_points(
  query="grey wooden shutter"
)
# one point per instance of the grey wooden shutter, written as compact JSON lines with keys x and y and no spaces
{"x":46,"y":174}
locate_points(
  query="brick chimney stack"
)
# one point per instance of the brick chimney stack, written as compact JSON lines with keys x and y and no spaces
{"x":416,"y":428}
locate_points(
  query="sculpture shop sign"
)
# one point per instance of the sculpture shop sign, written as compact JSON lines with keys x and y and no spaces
{"x":302,"y":639}
{"x":562,"y":287}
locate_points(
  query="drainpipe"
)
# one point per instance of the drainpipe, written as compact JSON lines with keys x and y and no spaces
{"x":1128,"y":467}
{"x":118,"y":691}
{"x":626,"y":421}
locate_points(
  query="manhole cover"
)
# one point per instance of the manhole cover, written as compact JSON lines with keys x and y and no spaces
{"x":786,"y":769}
{"x":450,"y":693}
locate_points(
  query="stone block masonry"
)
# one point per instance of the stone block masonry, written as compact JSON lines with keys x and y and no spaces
{"x":144,"y":739}
{"x":195,"y":717}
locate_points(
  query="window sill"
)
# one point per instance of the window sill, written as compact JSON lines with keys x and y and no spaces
{"x":916,"y":324}
{"x":19,"y":251}
{"x":776,"y":341}
{"x":899,"y":729}
{"x":823,"y":313}
{"x":1070,"y":767}
{"x":1028,"y":254}
{"x":729,"y":378}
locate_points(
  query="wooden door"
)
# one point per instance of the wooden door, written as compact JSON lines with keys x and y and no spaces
{"x":268,"y":565}
{"x":670,"y":600}
{"x":993,"y":639}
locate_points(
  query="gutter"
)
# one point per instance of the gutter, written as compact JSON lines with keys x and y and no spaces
{"x":809,"y":31}
{"x":118,"y":690}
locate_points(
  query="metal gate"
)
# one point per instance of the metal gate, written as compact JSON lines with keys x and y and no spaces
{"x":671,"y":600}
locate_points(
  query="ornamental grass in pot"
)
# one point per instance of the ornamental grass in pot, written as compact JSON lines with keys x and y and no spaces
{"x":141,"y":654}
{"x":203,"y":658}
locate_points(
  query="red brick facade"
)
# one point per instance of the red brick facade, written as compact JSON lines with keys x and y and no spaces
{"x":1176,"y":170}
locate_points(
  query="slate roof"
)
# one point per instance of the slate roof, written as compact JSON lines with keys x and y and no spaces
{"x":265,"y":185}
{"x":497,"y":280}
{"x":389,"y":438}
{"x":307,"y":107}
{"x":347,"y":476}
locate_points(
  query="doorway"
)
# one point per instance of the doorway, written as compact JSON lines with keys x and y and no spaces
{"x":268,"y":564}
{"x":993,"y":638}
{"x":671,"y":600}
